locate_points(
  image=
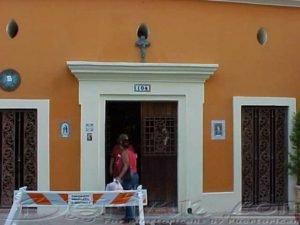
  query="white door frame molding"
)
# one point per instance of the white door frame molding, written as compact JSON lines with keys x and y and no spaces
{"x":100,"y":82}
{"x":238,"y":102}
{"x":42,"y":107}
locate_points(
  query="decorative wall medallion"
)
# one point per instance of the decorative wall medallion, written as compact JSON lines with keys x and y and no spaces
{"x":9,"y":80}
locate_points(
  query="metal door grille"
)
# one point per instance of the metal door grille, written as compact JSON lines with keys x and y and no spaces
{"x":160,"y":136}
{"x":18,"y":152}
{"x":264,"y":156}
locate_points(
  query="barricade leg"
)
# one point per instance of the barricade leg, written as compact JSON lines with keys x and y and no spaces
{"x":141,"y":206}
{"x":16,"y":207}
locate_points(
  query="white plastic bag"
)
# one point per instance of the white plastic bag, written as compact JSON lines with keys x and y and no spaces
{"x":114,"y":186}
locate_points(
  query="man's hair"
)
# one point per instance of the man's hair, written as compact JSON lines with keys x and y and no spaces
{"x":122,"y":137}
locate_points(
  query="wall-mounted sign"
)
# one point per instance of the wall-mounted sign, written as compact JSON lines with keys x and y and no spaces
{"x":89,"y":136}
{"x":142,"y":88}
{"x":218,"y":129}
{"x":80,"y":199}
{"x":65,"y":130}
{"x":89,"y":127}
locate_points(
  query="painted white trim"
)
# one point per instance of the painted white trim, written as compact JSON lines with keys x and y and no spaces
{"x":100,"y":82}
{"x":238,"y":102}
{"x":286,"y":3}
{"x":42,"y":107}
{"x":230,"y":202}
{"x":160,"y":72}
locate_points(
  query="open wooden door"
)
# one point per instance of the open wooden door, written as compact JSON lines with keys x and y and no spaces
{"x":159,"y":151}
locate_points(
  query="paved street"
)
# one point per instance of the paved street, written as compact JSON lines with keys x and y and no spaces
{"x":51,"y":216}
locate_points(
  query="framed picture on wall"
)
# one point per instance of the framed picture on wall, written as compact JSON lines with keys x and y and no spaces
{"x":218,"y":129}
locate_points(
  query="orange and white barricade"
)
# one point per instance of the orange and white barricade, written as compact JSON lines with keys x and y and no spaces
{"x":24,"y":198}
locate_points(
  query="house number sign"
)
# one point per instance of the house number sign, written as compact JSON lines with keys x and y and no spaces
{"x":142,"y":88}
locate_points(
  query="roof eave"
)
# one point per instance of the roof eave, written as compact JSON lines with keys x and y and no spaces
{"x":283,"y":3}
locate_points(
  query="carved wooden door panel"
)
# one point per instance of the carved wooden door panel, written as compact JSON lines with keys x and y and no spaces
{"x":264,"y":156}
{"x":159,"y":151}
{"x":18,"y":152}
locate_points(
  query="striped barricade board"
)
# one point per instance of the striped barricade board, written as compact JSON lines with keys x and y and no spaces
{"x":100,"y":198}
{"x":24,"y":198}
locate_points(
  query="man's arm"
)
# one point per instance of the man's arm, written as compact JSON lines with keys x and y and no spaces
{"x":125,"y":160}
{"x":111,"y":165}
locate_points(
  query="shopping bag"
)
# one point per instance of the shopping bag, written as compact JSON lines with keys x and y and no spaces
{"x":114,"y":186}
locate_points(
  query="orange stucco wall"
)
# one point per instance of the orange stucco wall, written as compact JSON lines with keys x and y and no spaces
{"x":181,"y":31}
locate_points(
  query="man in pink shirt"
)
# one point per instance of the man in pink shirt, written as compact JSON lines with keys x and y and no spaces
{"x":128,"y":175}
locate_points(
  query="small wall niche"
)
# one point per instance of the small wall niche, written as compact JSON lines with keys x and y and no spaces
{"x":262,"y":36}
{"x":12,"y":28}
{"x":143,"y":31}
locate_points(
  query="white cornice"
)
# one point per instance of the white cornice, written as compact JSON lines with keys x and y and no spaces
{"x":289,"y":3}
{"x":161,"y":72}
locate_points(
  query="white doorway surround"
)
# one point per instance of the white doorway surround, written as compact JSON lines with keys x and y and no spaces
{"x":42,"y":107}
{"x":238,"y":103}
{"x":100,"y":82}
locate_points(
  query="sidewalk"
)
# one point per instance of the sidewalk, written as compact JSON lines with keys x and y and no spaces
{"x":112,"y":216}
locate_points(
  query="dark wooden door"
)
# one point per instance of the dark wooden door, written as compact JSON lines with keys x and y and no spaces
{"x":18,"y":153}
{"x":264,"y":156}
{"x":159,"y":151}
